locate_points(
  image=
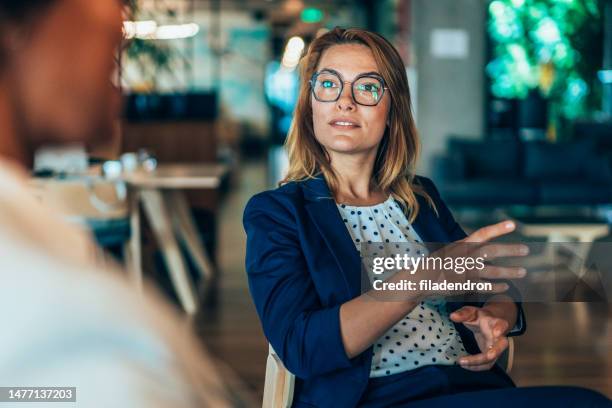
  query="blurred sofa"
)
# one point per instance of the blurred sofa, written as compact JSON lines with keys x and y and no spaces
{"x":509,"y":172}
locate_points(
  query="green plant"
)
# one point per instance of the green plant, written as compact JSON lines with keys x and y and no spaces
{"x":149,"y":55}
{"x":551,"y":45}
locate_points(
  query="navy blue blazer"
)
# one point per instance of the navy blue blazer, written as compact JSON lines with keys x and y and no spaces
{"x":302,"y":265}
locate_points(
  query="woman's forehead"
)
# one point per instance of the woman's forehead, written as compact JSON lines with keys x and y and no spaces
{"x":349,"y":60}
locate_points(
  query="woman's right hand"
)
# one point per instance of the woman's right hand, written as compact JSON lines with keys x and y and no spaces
{"x":478,"y":245}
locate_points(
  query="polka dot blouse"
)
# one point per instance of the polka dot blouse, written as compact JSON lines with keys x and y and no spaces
{"x":426,"y":335}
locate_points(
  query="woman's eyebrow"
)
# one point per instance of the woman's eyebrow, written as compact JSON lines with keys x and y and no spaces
{"x":330,"y":70}
{"x":370,"y":73}
{"x":358,"y":75}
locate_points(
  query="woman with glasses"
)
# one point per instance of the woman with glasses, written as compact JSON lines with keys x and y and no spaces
{"x":352,"y":151}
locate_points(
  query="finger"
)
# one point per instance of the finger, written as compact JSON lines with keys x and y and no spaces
{"x":498,"y":348}
{"x":455,"y":249}
{"x":486,"y":330}
{"x":496,"y":287}
{"x":481,"y":367}
{"x":499,"y":327}
{"x":500,"y":250}
{"x":487,"y":287}
{"x":487,"y":357}
{"x":465,"y":314}
{"x":502,"y":272}
{"x":491,"y":231}
{"x":474,"y":360}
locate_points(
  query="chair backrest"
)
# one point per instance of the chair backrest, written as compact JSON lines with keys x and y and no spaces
{"x":278,"y":388}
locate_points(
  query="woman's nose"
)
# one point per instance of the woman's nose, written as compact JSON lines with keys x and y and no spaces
{"x":345,"y":101}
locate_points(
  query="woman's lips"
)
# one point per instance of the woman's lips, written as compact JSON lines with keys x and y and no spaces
{"x":344,"y":125}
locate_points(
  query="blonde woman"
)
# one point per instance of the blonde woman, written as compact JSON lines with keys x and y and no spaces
{"x":352,"y":151}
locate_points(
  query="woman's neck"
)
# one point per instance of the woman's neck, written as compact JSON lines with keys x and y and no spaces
{"x":355,"y":184}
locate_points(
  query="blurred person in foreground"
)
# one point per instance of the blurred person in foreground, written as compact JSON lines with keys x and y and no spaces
{"x":66,"y":323}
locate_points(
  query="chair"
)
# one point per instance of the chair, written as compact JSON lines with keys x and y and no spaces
{"x":278,"y":388}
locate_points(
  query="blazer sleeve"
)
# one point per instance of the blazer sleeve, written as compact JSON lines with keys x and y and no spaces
{"x":456,"y":233}
{"x":305,"y":335}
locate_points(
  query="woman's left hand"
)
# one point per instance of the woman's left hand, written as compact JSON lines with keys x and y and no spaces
{"x":490,"y":333}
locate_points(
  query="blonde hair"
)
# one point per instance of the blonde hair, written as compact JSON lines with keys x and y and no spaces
{"x":398,"y":150}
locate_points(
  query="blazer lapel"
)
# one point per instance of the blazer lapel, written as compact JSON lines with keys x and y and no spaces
{"x":323,"y":211}
{"x":427,"y":225}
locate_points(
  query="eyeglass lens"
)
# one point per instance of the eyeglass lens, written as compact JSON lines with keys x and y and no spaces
{"x":366,"y":90}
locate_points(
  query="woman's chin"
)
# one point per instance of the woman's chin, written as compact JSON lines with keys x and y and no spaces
{"x":343,"y":143}
{"x":347,"y":144}
{"x":346,"y":149}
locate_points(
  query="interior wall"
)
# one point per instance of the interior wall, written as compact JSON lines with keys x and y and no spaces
{"x":237,"y":68}
{"x":451,"y":90}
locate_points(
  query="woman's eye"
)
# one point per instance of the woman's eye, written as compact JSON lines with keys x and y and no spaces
{"x":369,"y":87}
{"x":327,"y":84}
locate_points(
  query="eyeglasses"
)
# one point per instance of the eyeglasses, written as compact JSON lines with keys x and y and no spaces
{"x":367,"y":89}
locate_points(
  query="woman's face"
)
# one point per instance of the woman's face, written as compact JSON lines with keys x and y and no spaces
{"x":345,"y":127}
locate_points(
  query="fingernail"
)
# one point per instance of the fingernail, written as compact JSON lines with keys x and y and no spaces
{"x":509,"y":225}
{"x":524,"y":250}
{"x":522,"y":272}
{"x":462,"y":362}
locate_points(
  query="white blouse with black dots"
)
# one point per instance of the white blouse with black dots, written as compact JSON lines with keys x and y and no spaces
{"x":426,"y":335}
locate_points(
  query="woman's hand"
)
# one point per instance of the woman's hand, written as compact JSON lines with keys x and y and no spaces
{"x":490,"y":333}
{"x":478,"y":246}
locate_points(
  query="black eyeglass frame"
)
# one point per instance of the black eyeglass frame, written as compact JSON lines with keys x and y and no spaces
{"x":314,"y":77}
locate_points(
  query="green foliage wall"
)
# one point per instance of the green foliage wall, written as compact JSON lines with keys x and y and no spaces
{"x":551,"y":45}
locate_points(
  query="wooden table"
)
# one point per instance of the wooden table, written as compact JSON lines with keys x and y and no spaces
{"x":161,"y":193}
